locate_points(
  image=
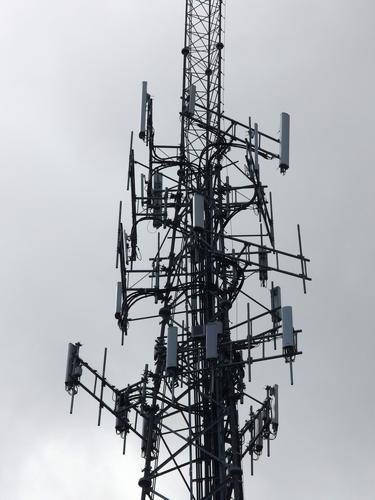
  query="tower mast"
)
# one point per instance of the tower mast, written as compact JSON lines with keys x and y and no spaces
{"x":197,"y":195}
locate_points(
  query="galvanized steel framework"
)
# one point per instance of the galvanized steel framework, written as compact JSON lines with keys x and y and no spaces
{"x":203,"y":69}
{"x":185,"y":409}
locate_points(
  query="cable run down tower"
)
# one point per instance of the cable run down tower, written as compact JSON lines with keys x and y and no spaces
{"x":214,"y":241}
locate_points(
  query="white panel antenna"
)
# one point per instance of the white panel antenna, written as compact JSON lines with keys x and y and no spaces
{"x":288,"y":333}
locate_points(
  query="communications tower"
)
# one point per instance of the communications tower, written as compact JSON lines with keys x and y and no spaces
{"x":203,"y":287}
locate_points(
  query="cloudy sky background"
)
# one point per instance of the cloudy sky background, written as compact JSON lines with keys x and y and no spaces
{"x":69,"y":96}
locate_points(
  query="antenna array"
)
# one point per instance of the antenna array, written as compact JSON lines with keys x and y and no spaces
{"x":198,"y":195}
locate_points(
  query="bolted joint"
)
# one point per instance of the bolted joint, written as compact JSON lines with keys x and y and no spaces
{"x":165,"y":313}
{"x":235,"y":471}
{"x":289,"y":353}
{"x":226,"y":304}
{"x":145,"y":483}
{"x":159,"y":349}
{"x":181,"y":173}
{"x":218,"y":168}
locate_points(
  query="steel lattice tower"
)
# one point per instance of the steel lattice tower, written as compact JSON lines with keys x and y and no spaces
{"x":185,"y":410}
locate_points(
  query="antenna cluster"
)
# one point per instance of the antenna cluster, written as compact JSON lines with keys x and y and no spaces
{"x":213,"y":220}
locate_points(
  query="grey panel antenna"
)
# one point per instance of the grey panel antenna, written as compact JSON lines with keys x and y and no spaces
{"x":142,"y":132}
{"x":256,"y":148}
{"x":198,"y":211}
{"x":197,"y":331}
{"x":73,"y":368}
{"x":126,"y":245}
{"x":118,"y":300}
{"x":263,"y":264}
{"x":284,"y":142}
{"x":258,"y":433}
{"x":213,"y":330}
{"x":158,"y":199}
{"x":276,"y":304}
{"x":143,"y":180}
{"x":191,"y":106}
{"x":145,"y":427}
{"x":122,"y":407}
{"x":275,"y":407}
{"x":288,"y":332}
{"x":171,"y":364}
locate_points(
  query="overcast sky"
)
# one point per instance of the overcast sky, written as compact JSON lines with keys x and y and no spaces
{"x":69,"y":96}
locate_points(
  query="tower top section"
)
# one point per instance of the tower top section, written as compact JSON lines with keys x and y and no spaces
{"x":202,"y":73}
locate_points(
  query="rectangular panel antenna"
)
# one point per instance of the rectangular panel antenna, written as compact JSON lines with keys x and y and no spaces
{"x":198,"y":211}
{"x":191,"y":106}
{"x":284,"y":142}
{"x":212,"y":331}
{"x":276,"y":304}
{"x":142,"y":132}
{"x":197,"y":331}
{"x":275,"y":407}
{"x":73,"y":370}
{"x":171,"y":364}
{"x":258,"y":433}
{"x":157,"y":199}
{"x":288,"y":334}
{"x":118,"y":300}
{"x":256,"y":148}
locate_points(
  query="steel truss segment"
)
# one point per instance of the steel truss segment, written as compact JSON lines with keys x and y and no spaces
{"x":203,"y":70}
